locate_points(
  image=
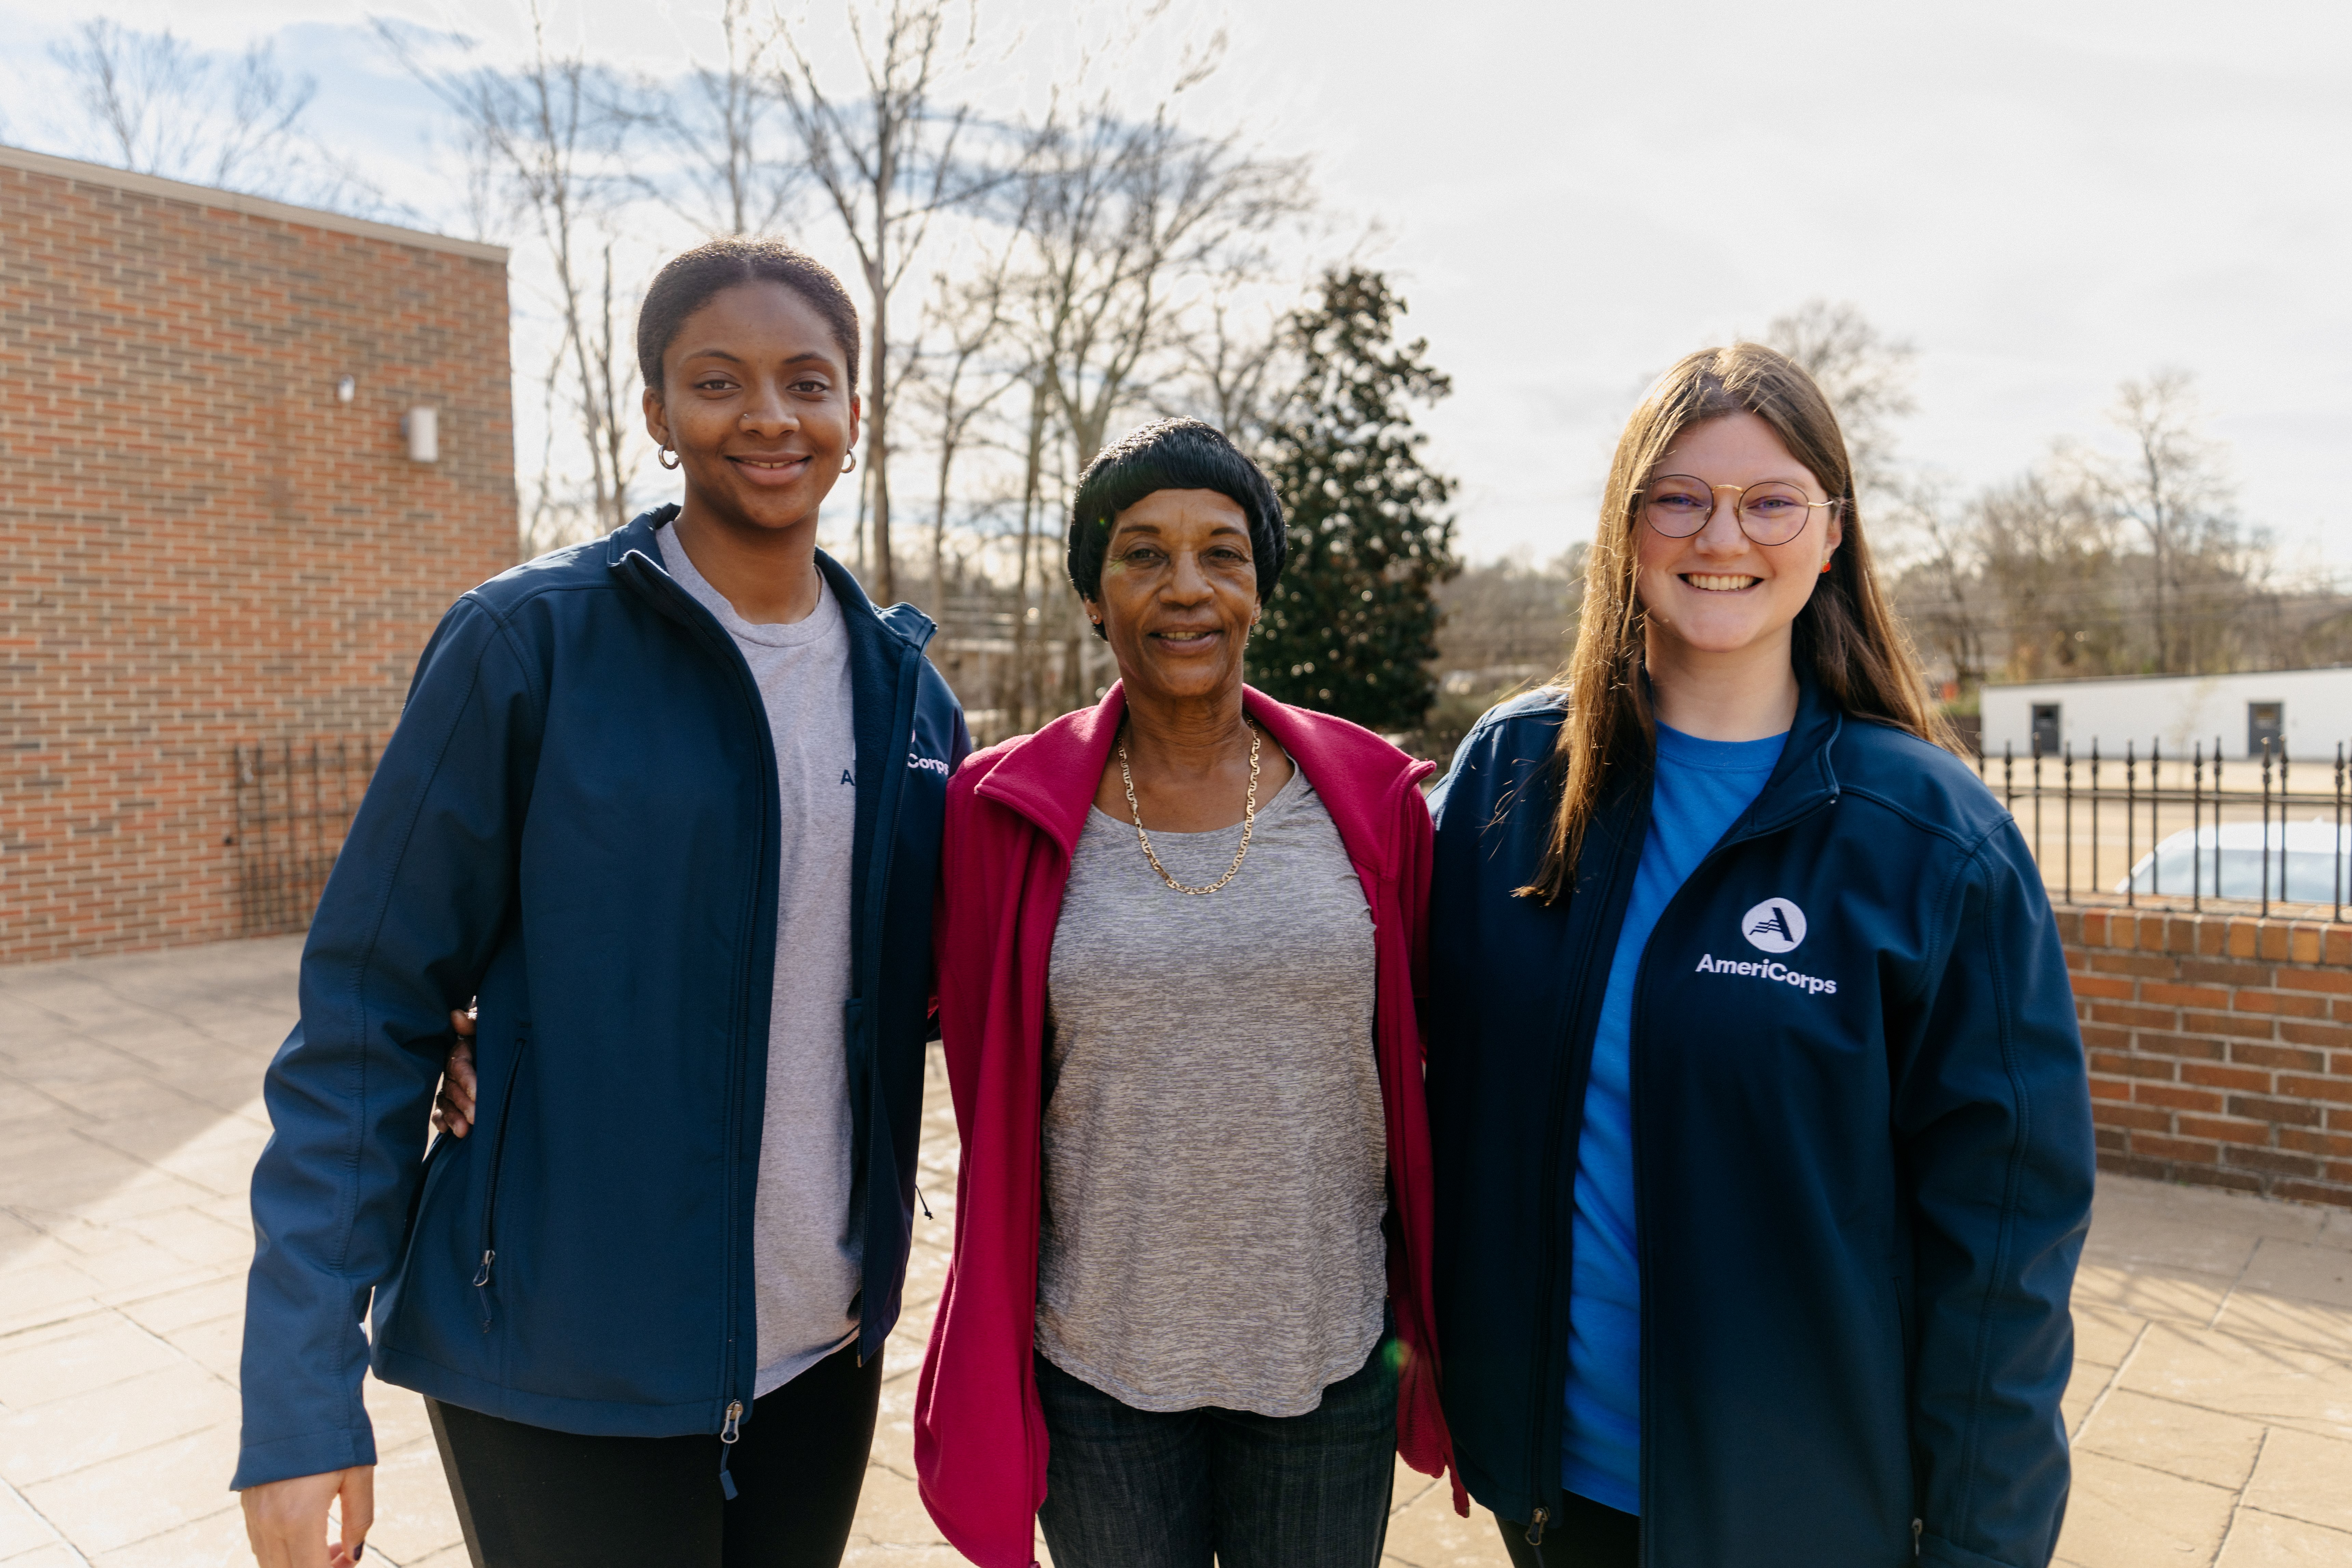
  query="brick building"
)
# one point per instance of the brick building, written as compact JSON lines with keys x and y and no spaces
{"x":219,"y":552}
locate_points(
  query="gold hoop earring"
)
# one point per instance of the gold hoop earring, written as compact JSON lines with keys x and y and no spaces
{"x":848,"y":462}
{"x":667,"y":458}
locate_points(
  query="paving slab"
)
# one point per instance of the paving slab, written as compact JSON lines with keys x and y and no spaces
{"x":2306,"y":1391}
{"x":2212,"y":1402}
{"x":2122,"y":1515}
{"x":2181,"y":1440}
{"x":2300,"y":1476}
{"x":22,"y":1529}
{"x":2260,"y":1540}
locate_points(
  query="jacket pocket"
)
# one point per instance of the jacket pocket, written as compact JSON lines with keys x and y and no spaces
{"x":498,"y":1160}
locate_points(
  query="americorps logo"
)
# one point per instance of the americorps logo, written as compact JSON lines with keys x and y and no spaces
{"x":1776,"y":925}
{"x":1778,"y":972}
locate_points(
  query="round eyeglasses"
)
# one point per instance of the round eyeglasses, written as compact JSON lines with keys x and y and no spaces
{"x":1774,"y":512}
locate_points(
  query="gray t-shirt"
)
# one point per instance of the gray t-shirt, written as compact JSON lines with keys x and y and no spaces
{"x":806,"y":1250}
{"x":1215,"y":1164}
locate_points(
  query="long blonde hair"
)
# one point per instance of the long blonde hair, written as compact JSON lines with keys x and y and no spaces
{"x":1846,"y":637}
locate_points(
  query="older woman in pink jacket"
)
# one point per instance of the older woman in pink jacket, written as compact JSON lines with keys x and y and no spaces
{"x":1178,"y":942}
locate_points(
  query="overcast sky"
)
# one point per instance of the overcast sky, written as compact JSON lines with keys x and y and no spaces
{"x":2045,"y":197}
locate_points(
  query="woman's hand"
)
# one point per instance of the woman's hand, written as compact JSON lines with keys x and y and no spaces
{"x":286,"y":1521}
{"x":453,"y":1107}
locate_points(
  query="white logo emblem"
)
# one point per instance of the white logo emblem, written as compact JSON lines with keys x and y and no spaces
{"x":1776,"y":925}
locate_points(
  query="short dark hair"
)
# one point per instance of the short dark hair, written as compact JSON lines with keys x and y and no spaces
{"x":689,"y":280}
{"x":1172,"y":454}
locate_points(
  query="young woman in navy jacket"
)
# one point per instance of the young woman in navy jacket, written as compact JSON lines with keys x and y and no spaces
{"x":666,"y":806}
{"x":1762,"y":1137}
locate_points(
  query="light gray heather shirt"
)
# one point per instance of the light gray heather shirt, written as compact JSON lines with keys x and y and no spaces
{"x":805,"y":1249}
{"x":1215,"y":1164}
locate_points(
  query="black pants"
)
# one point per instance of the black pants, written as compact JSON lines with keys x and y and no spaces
{"x":1580,"y":1533}
{"x":531,"y":1498}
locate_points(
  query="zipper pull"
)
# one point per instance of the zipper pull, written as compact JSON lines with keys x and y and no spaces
{"x":918,"y":1198}
{"x":727,"y":1435}
{"x":1536,"y":1524}
{"x":1917,"y":1526}
{"x":482,"y":1284}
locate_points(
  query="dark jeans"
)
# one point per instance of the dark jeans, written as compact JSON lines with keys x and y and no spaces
{"x":1580,"y":1533}
{"x":529,"y":1497}
{"x":1137,"y":1488}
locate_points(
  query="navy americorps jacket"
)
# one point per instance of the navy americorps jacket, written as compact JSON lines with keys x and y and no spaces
{"x":577,"y":822}
{"x":1862,"y":1143}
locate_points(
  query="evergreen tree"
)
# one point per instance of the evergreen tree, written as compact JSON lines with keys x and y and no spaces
{"x":1352,"y":625}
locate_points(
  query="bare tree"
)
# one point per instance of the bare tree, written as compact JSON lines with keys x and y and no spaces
{"x":1940,"y":592}
{"x":163,"y":107}
{"x":2051,"y":563}
{"x":1865,"y":374}
{"x":1028,"y":629}
{"x":1231,"y":361}
{"x":551,"y":130}
{"x":968,"y":320}
{"x":2046,"y":575}
{"x":885,"y":156}
{"x":1133,"y":223}
{"x":732,"y":176}
{"x":1128,"y":213}
{"x":1133,"y":228}
{"x":2170,"y":485}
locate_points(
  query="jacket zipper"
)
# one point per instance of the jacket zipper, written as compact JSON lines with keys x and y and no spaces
{"x":727,"y":1435}
{"x":736,"y":1088}
{"x":724,"y":649}
{"x":716,"y":635}
{"x":1548,"y":1225}
{"x":498,"y":1160}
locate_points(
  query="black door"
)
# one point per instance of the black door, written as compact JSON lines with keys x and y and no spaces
{"x":2265,"y":726}
{"x":2045,"y":729}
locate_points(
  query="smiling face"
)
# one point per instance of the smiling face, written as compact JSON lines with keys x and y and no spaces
{"x":755,"y":400}
{"x":1718,"y":592}
{"x":1178,"y":594}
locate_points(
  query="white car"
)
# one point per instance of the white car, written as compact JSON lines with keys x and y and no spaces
{"x":2300,"y":862}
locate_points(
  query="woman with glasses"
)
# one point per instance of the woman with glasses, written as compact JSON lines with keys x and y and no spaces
{"x":1763,"y":1145}
{"x":1188,"y":1315}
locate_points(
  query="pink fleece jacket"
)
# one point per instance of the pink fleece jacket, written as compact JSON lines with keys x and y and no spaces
{"x":1013,"y":816}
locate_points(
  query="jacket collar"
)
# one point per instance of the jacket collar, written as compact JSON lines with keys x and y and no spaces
{"x":1803,"y":778}
{"x":1050,"y":777}
{"x":904,"y":621}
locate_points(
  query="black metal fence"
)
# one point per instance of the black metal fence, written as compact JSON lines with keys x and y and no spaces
{"x":2171,"y":832}
{"x":2191,"y":831}
{"x":294,"y":803}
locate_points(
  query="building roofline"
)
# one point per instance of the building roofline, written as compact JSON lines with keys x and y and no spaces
{"x":2147,"y":680}
{"x":89,"y":173}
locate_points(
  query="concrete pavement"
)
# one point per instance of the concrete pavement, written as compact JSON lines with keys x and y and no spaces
{"x":2212,"y":1403}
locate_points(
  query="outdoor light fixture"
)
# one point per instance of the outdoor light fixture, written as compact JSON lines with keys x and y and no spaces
{"x":346,"y":389}
{"x":423,"y":427}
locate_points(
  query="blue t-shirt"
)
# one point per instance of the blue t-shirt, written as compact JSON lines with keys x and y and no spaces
{"x":1701,"y":788}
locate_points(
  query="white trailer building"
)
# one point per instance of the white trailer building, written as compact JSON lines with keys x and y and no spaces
{"x":2303,"y":711}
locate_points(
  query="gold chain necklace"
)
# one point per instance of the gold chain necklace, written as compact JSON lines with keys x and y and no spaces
{"x":1249,"y":821}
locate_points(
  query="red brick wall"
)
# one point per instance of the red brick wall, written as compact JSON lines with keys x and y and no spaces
{"x":200,"y":546}
{"x":2221,"y":1048}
